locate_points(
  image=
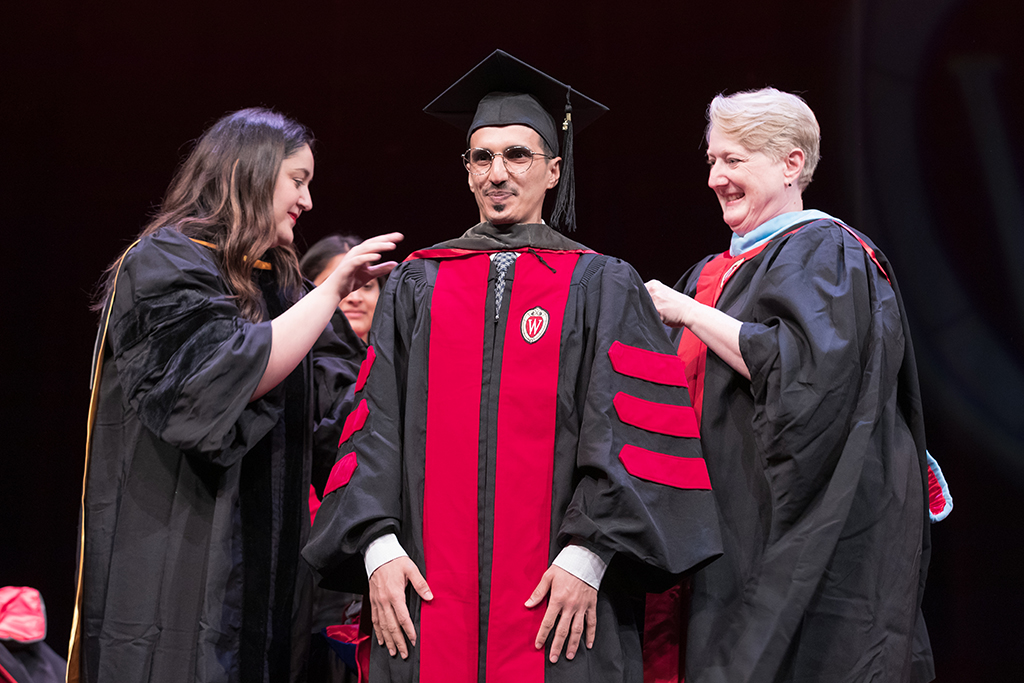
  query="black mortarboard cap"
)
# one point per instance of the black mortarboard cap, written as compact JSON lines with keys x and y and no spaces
{"x":503,"y":91}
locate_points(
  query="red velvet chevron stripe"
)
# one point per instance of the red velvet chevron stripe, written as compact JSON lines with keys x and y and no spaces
{"x":364,"y":369}
{"x":341,"y":473}
{"x":314,"y":504}
{"x":662,"y":468}
{"x":660,"y":368}
{"x":354,"y":422}
{"x":663,"y":418}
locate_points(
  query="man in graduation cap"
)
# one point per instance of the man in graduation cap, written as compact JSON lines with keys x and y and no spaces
{"x":523,"y":452}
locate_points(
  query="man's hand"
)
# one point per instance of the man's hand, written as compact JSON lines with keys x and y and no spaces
{"x":387,"y":603}
{"x":575,"y":601}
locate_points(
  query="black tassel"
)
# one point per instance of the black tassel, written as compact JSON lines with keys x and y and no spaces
{"x":564,"y":213}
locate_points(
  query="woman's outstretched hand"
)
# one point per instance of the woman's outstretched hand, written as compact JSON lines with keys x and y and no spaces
{"x":671,"y":305}
{"x":296,"y":330}
{"x":718,"y":330}
{"x":359,"y":264}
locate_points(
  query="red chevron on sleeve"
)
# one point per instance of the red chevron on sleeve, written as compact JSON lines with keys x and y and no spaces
{"x":364,"y":369}
{"x":660,"y":368}
{"x":314,"y":504}
{"x":663,"y":418}
{"x":341,"y":473}
{"x":354,"y":422}
{"x":662,"y":468}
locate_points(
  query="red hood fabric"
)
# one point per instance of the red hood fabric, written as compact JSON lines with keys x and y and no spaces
{"x":22,"y":614}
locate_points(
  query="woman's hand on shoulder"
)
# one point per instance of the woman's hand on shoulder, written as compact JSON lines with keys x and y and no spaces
{"x":672,"y":305}
{"x":718,"y":330}
{"x":359,"y":265}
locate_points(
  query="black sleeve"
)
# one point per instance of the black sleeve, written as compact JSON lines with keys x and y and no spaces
{"x":187,"y":360}
{"x":806,"y":354}
{"x":652,"y":517}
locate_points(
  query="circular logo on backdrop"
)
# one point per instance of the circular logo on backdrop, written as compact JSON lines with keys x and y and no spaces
{"x":535,"y":324}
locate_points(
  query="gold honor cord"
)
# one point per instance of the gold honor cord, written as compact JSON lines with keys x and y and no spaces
{"x":74,"y":669}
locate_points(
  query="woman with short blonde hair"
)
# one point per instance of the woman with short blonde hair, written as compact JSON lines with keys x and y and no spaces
{"x":802,"y":373}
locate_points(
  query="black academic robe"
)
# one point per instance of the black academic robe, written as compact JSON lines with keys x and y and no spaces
{"x":819,"y":470}
{"x":195,"y":505}
{"x":489,"y":442}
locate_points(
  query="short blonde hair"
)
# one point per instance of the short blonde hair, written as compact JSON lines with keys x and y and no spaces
{"x":769,"y":121}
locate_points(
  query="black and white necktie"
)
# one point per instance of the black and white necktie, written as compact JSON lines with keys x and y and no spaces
{"x":502,"y":260}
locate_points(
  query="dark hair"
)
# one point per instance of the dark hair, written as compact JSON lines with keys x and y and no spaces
{"x":223,"y":193}
{"x":316,"y":257}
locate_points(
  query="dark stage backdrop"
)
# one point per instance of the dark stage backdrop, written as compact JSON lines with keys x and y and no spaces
{"x":919,"y":103}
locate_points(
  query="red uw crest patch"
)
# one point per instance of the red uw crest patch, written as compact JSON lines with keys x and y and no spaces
{"x":535,"y":324}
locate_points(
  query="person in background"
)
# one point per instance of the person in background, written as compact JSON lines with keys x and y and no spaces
{"x":217,"y":374}
{"x":802,"y":370}
{"x":358,"y":307}
{"x":336,"y":614}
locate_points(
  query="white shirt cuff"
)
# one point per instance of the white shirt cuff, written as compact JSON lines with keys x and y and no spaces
{"x":381,"y":551}
{"x":582,"y":563}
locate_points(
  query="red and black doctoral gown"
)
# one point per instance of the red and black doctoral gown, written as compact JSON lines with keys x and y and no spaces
{"x":818,"y":464}
{"x":487,"y":443}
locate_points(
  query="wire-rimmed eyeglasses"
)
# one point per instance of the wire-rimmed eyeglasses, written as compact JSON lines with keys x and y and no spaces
{"x":518,"y":159}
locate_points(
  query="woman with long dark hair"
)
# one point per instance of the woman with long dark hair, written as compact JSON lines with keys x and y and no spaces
{"x":216,"y":378}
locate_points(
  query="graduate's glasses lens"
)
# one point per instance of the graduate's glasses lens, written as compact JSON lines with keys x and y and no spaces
{"x":517,"y":159}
